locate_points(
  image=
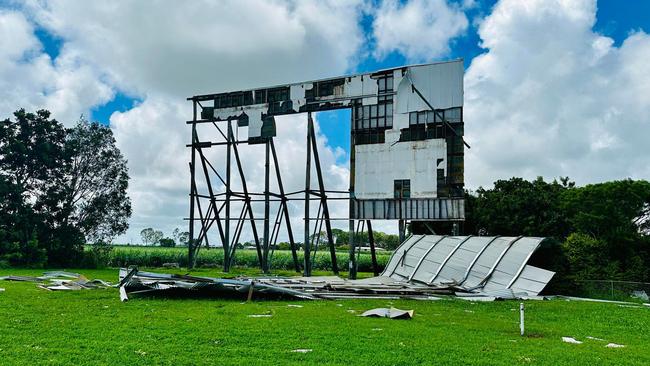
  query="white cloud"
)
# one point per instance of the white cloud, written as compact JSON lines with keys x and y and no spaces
{"x":552,"y":97}
{"x":183,"y":48}
{"x":418,"y":29}
{"x":164,"y":51}
{"x":30,"y":79}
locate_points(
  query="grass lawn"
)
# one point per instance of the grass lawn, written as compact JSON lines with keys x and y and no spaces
{"x":93,"y":327}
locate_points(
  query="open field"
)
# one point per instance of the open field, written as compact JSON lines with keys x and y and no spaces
{"x":280,"y":259}
{"x":94,"y":327}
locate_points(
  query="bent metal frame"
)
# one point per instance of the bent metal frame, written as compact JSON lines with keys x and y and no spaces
{"x":406,"y":159}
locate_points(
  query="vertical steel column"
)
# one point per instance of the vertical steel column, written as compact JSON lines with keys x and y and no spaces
{"x":247,"y":205}
{"x":190,"y":244}
{"x":307,"y":244}
{"x":211,"y":193}
{"x":323,"y":197}
{"x":402,"y":230}
{"x":352,"y":262}
{"x":226,"y":242}
{"x":373,"y":254}
{"x":265,"y":263}
{"x":285,"y":209}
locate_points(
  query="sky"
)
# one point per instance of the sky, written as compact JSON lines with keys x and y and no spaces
{"x":552,"y":87}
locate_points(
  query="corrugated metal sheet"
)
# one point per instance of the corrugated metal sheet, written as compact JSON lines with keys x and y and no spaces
{"x":470,"y":263}
{"x":410,"y":209}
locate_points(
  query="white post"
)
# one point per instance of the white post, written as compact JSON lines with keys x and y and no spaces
{"x":521,"y":318}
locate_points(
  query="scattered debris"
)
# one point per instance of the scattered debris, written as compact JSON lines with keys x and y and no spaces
{"x":123,"y":296}
{"x":640,"y":295}
{"x":302,"y":350}
{"x":22,"y":278}
{"x":595,"y":339}
{"x":500,"y":294}
{"x":571,"y":340}
{"x":573,"y":298}
{"x":55,"y":274}
{"x":134,"y":281}
{"x":392,"y":313}
{"x":376,"y":329}
{"x":61,"y":281}
{"x":260,"y":315}
{"x":402,"y":278}
{"x":614,"y":345}
{"x":294,"y":306}
{"x":479,"y":298}
{"x":2,"y":290}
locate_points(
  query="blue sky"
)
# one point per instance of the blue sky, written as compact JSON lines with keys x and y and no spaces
{"x":615,"y":19}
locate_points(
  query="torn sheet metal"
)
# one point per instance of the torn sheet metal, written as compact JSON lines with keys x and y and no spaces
{"x":571,"y":340}
{"x":473,"y":264}
{"x":61,"y":281}
{"x":326,"y":287}
{"x":392,"y":313}
{"x":22,"y":278}
{"x":134,"y":281}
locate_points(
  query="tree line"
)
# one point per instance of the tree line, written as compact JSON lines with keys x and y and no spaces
{"x":597,"y":231}
{"x":61,"y":188}
{"x":151,"y":236}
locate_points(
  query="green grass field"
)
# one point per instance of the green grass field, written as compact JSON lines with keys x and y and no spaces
{"x":92,"y":327}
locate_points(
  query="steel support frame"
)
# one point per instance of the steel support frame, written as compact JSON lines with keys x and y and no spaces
{"x":219,"y":207}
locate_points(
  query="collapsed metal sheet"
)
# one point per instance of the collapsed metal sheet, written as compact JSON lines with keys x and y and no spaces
{"x":326,"y":287}
{"x":61,"y":281}
{"x":470,"y":263}
{"x":134,"y":281}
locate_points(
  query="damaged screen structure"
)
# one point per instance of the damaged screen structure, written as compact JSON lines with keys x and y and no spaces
{"x":406,"y":153}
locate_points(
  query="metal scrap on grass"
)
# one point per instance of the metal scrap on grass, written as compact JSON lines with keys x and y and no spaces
{"x":61,"y":281}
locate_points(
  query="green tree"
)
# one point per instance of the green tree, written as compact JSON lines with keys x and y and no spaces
{"x":518,"y":207}
{"x":62,"y":187}
{"x":32,"y":163}
{"x":96,"y":181}
{"x":181,"y":237}
{"x":613,"y":213}
{"x":151,"y":236}
{"x":586,"y":259}
{"x":167,"y":242}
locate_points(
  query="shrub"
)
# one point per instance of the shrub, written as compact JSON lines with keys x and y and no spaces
{"x":99,"y":255}
{"x":167,"y":242}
